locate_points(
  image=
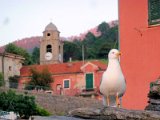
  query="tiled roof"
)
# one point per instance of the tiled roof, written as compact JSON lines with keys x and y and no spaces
{"x":62,"y":68}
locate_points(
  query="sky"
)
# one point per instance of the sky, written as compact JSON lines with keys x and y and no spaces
{"x":27,"y":18}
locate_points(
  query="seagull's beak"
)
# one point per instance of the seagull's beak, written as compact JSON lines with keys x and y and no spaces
{"x":118,"y":54}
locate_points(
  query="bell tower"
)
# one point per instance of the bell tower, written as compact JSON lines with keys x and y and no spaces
{"x":51,"y":48}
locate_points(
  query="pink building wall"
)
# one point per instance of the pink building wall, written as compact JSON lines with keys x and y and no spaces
{"x":140,"y":47}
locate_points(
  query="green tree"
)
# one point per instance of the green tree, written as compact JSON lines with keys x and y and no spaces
{"x":103,"y":50}
{"x":40,"y":79}
{"x":88,"y":43}
{"x":13,"y":81}
{"x":71,"y":49}
{"x":98,"y":47}
{"x":103,"y":28}
{"x":12,"y":48}
{"x":113,"y":33}
{"x":89,"y":39}
{"x":36,"y":55}
{"x":1,"y":79}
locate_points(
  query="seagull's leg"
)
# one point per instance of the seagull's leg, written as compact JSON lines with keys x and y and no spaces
{"x":117,"y":101}
{"x":104,"y":101}
{"x":107,"y":100}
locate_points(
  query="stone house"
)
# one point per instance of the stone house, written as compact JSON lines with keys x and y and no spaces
{"x":10,"y":65}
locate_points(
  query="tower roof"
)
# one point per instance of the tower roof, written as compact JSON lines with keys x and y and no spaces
{"x":51,"y":26}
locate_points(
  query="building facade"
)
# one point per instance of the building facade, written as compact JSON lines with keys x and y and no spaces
{"x":51,"y":48}
{"x":10,"y":65}
{"x":139,"y":30}
{"x":73,"y":78}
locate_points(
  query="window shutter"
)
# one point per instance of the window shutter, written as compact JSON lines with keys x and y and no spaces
{"x":154,"y":12}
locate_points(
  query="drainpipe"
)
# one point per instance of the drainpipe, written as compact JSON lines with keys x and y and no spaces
{"x":3,"y":64}
{"x":83,"y":53}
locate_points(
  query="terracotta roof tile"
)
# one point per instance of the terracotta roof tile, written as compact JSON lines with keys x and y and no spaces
{"x":62,"y":68}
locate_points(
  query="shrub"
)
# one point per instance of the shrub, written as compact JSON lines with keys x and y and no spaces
{"x":13,"y":81}
{"x":42,"y":112}
{"x":40,"y":80}
{"x":23,"y":105}
{"x":1,"y":79}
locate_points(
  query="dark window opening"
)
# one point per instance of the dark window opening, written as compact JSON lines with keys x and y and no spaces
{"x":49,"y":48}
{"x":154,"y":12}
{"x":48,"y":34}
{"x":10,"y":68}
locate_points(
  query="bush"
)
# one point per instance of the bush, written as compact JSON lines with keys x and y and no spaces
{"x":23,"y":105}
{"x":42,"y":112}
{"x":1,"y":79}
{"x":13,"y":81}
{"x":40,"y":79}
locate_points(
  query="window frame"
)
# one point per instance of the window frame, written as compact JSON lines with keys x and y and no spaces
{"x":68,"y":83}
{"x":93,"y":79}
{"x":152,"y":21}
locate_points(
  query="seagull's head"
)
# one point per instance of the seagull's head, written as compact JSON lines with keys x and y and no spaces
{"x":114,"y":54}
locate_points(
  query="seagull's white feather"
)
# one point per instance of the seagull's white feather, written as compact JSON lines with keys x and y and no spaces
{"x":113,"y":81}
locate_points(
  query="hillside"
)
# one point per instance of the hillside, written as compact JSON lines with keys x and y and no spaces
{"x":29,"y":43}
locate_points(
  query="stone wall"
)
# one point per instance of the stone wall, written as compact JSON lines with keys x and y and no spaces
{"x":59,"y":104}
{"x":154,"y":96}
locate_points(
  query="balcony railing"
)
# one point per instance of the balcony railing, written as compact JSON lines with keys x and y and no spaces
{"x":89,"y":91}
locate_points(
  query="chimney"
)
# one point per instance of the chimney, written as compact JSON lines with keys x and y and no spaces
{"x":70,"y":62}
{"x":70,"y":59}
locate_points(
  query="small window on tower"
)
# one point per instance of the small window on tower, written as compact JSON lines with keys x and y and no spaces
{"x":49,"y":48}
{"x":59,"y":48}
{"x":48,"y":34}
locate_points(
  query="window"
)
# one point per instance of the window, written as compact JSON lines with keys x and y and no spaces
{"x":66,"y":83}
{"x":49,"y":48}
{"x":10,"y":68}
{"x":89,"y":81}
{"x":48,"y":34}
{"x":154,"y":12}
{"x":59,"y":48}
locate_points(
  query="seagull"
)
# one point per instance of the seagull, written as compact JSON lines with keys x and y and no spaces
{"x":113,"y":84}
